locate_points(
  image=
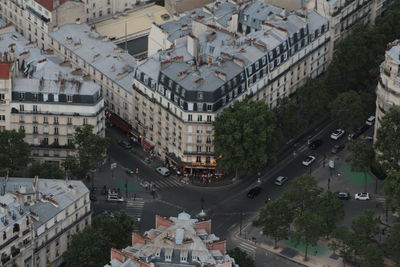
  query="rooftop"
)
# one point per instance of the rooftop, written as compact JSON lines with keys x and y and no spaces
{"x":50,"y":4}
{"x":98,"y":52}
{"x":394,"y":51}
{"x":40,"y":70}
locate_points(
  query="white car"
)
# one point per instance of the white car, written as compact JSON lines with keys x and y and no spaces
{"x":114,"y":198}
{"x":361,"y":196}
{"x":308,"y":161}
{"x":337,"y":134}
{"x":280,"y":180}
{"x":370,"y":121}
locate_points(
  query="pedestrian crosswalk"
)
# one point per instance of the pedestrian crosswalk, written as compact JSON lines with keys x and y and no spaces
{"x":167,"y":182}
{"x":135,"y":208}
{"x":249,"y":248}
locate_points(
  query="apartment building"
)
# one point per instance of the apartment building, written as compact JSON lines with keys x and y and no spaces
{"x":44,"y":96}
{"x":34,"y":19}
{"x":98,"y":9}
{"x":38,"y":218}
{"x":180,"y":91}
{"x":388,"y":89}
{"x":175,"y":241}
{"x":342,"y":14}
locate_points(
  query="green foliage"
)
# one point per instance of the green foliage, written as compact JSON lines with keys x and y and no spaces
{"x":47,"y":170}
{"x":388,"y":140}
{"x":91,"y":151}
{"x":275,"y":219}
{"x":303,"y":194}
{"x":365,"y":227}
{"x":330,"y":209}
{"x":348,"y":110}
{"x":14,"y":153}
{"x":245,"y":136}
{"x":288,"y":120}
{"x":308,"y":230}
{"x":392,"y":243}
{"x":92,"y":246}
{"x":362,"y":157}
{"x":343,"y":242}
{"x":392,"y":191}
{"x":372,"y":256}
{"x":241,"y":257}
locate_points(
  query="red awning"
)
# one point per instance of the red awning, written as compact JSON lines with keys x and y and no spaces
{"x":118,"y":121}
{"x":147,"y":145}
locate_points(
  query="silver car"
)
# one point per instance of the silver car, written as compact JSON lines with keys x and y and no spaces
{"x":280,"y":180}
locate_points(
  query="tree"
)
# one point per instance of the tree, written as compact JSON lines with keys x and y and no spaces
{"x":275,"y":219}
{"x":308,"y":230}
{"x":388,"y":140}
{"x":303,"y":194}
{"x":365,"y":227}
{"x":330,"y":209}
{"x":362,"y":156}
{"x":92,"y":246}
{"x":288,"y":120}
{"x":372,"y":255}
{"x":343,"y":242}
{"x":45,"y":170}
{"x":241,"y":257}
{"x":348,"y":110}
{"x":392,"y":191}
{"x":245,"y":136}
{"x":392,"y":243}
{"x":14,"y":153}
{"x":88,"y":248}
{"x":91,"y":151}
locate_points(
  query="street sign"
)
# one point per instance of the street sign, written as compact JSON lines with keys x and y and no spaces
{"x":331,"y":164}
{"x":113,"y":166}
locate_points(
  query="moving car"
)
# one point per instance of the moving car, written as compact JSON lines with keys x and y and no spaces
{"x":338,"y":133}
{"x":343,"y":195}
{"x":115,"y":198}
{"x":308,"y":161}
{"x":280,"y":180}
{"x":362,"y":196}
{"x":370,"y":121}
{"x":125,"y":144}
{"x":337,"y":148}
{"x":254,"y":192}
{"x":163,"y":171}
{"x":315,"y":144}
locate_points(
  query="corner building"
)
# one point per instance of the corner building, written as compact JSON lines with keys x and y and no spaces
{"x":180,"y":90}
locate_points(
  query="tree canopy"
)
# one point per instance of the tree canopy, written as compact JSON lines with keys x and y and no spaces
{"x":241,"y":258}
{"x":92,"y":246}
{"x":91,"y":151}
{"x":388,"y":140}
{"x":245,"y":136}
{"x":14,"y":153}
{"x":362,"y":157}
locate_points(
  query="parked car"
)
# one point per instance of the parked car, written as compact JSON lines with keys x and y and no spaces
{"x":362,"y":196}
{"x":337,"y":148}
{"x":315,"y":144}
{"x":280,"y":180}
{"x":343,"y":195}
{"x":163,"y":171}
{"x":114,"y":198}
{"x":254,"y":192}
{"x":308,"y":161}
{"x":338,"y":133}
{"x":357,"y":132}
{"x":125,"y":144}
{"x":370,"y":121}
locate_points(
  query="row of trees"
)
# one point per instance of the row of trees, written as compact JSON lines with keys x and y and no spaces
{"x":304,"y":214}
{"x":15,"y":155}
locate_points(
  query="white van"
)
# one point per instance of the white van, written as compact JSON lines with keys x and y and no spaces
{"x":163,"y":171}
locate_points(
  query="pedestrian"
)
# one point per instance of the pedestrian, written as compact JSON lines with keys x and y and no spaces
{"x":316,"y":252}
{"x":134,"y":196}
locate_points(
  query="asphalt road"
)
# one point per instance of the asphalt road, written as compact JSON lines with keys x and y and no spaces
{"x":228,"y":206}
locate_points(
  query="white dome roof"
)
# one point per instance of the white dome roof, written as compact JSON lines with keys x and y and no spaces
{"x":184,"y":216}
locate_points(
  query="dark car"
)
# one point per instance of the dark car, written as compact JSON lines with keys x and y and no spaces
{"x":357,"y":132}
{"x":337,"y":148}
{"x":125,"y":144}
{"x":343,"y":195}
{"x":315,"y":144}
{"x":254,"y":192}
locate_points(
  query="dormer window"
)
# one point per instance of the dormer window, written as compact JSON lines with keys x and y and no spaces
{"x":200,"y":95}
{"x":69,"y":98}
